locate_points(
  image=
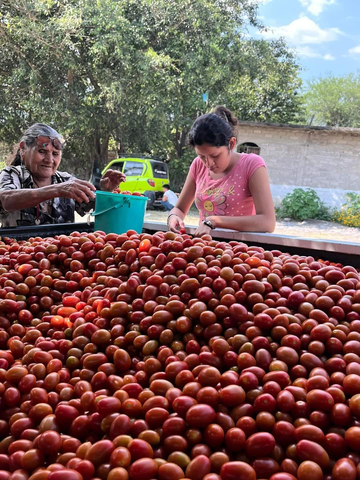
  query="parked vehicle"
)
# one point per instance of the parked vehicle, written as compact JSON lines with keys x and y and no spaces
{"x":145,"y":175}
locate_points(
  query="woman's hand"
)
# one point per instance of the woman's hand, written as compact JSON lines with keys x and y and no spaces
{"x":78,"y":190}
{"x":175,"y":224}
{"x":111,"y":180}
{"x":202,"y":230}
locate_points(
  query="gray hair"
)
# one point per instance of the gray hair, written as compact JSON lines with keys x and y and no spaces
{"x":32,"y":133}
{"x":39,"y":129}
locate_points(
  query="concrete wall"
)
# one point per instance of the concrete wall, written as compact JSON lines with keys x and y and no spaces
{"x":326,"y":160}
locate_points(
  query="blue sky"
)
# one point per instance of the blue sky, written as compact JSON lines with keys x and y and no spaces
{"x":325,"y":33}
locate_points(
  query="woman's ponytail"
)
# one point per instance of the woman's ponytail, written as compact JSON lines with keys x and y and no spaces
{"x":17,"y":159}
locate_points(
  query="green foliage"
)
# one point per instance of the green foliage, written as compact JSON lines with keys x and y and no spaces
{"x":303,"y":204}
{"x":132,"y":72}
{"x":349,"y":214}
{"x":352,"y":203}
{"x":334,"y":101}
{"x":4,"y":154}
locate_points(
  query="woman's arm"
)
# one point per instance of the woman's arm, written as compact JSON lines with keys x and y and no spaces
{"x":16,"y":199}
{"x":264,"y":220}
{"x":111,"y":180}
{"x":108,"y":183}
{"x":186,"y":199}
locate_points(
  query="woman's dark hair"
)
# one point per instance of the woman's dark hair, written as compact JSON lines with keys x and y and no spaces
{"x":216,"y":128}
{"x":31,"y":134}
{"x":17,"y":159}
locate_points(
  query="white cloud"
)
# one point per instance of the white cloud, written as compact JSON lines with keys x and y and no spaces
{"x":302,"y":34}
{"x":355,"y":50}
{"x":303,"y":31}
{"x":308,"y":52}
{"x":315,"y":7}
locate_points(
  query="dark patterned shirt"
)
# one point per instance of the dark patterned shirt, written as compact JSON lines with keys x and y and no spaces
{"x":57,"y":210}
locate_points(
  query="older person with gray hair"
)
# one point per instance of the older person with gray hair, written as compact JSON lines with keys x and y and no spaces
{"x":33,"y":192}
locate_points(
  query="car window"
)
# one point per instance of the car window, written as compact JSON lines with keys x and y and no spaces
{"x":133,"y":169}
{"x":159,"y":169}
{"x":117,"y":166}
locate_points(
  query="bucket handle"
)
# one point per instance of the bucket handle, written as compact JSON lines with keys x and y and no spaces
{"x":125,"y":201}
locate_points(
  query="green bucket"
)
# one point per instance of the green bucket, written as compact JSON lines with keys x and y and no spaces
{"x":117,"y":213}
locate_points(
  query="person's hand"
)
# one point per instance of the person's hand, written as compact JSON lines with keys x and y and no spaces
{"x":175,"y":224}
{"x":202,"y":230}
{"x":111,"y":180}
{"x":78,"y":190}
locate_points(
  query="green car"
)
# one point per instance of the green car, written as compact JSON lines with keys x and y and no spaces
{"x":143,"y":174}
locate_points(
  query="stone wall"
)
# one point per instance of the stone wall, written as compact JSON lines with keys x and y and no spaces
{"x":327,"y":160}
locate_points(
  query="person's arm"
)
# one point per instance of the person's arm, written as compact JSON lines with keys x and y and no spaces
{"x":18,"y":199}
{"x":111,"y":180}
{"x":263,"y":221}
{"x":185,"y":200}
{"x":164,"y":199}
{"x":108,"y":183}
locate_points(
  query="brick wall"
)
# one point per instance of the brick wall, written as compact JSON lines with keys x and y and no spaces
{"x":320,"y":159}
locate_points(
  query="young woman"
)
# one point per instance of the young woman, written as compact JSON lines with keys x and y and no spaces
{"x":231,"y":190}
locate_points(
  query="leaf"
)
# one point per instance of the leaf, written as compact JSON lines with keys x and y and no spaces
{"x":136,"y":71}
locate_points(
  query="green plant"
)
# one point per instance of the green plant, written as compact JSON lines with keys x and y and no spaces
{"x":325,"y":213}
{"x":303,"y":204}
{"x":334,"y":101}
{"x":345,"y":217}
{"x":349,"y":214}
{"x":353,"y":203}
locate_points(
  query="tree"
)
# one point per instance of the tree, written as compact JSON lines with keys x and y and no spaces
{"x":334,"y":101}
{"x":134,"y":71}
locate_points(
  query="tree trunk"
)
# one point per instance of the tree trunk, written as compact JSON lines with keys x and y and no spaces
{"x":180,"y":141}
{"x":100,"y":151}
{"x":100,"y":156}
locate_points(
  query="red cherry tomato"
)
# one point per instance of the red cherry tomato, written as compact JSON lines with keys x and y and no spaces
{"x":145,"y":245}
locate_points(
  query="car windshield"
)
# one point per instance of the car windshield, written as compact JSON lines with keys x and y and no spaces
{"x":159,"y":169}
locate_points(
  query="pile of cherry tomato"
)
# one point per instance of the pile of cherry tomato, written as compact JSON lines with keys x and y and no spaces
{"x":135,"y":194}
{"x":166,"y":357}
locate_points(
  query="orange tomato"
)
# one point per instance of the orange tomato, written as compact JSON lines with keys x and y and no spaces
{"x":145,"y":245}
{"x":57,"y":321}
